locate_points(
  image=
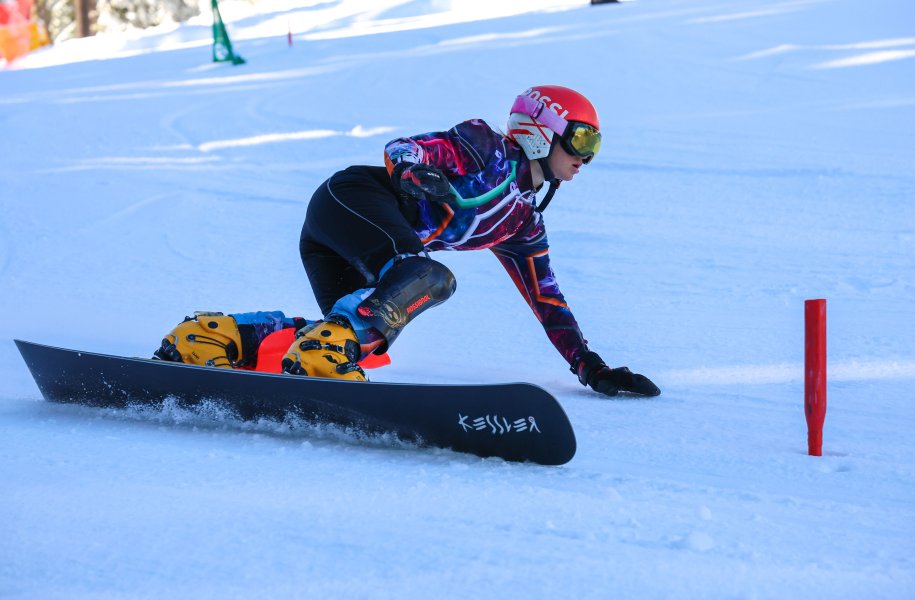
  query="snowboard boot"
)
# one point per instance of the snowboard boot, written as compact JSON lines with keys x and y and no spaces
{"x":206,"y":339}
{"x":327,"y":348}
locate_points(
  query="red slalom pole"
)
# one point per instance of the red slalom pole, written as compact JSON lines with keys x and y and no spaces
{"x":815,"y":373}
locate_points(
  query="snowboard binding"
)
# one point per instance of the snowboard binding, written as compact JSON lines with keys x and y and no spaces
{"x":207,"y":339}
{"x":327,"y":348}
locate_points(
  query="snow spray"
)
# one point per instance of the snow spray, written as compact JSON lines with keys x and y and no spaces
{"x":815,"y":373}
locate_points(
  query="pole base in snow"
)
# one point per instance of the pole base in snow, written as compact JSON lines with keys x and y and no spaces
{"x":815,"y":443}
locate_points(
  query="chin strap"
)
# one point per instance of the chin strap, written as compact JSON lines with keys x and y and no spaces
{"x":548,"y":176}
{"x":554,"y":185}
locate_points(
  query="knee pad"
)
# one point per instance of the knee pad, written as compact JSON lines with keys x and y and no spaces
{"x":408,"y":288}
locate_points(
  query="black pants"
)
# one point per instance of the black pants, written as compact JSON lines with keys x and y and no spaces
{"x":355,"y":223}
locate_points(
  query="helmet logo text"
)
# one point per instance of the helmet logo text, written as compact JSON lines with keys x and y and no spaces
{"x":548,"y":102}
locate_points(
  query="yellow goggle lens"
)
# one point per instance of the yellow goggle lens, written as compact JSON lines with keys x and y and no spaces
{"x":583,"y":139}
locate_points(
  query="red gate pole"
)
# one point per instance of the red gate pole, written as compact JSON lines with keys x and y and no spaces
{"x":815,"y":373}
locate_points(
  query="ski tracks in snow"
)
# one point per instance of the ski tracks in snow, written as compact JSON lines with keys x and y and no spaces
{"x":121,"y":214}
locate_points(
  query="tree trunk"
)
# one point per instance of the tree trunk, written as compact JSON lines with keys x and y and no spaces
{"x":85,"y":10}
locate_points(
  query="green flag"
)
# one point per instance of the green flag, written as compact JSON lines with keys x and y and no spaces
{"x":222,"y":46}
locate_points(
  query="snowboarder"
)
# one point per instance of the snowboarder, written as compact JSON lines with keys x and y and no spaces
{"x":368,"y":232}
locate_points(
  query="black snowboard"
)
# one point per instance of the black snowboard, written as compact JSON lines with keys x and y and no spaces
{"x":514,"y":421}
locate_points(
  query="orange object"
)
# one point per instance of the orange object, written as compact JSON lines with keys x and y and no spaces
{"x":271,"y":351}
{"x":15,"y":41}
{"x":38,"y":36}
{"x":375,"y":361}
{"x":15,"y":29}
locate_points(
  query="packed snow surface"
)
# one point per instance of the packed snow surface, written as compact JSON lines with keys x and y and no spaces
{"x":756,"y":154}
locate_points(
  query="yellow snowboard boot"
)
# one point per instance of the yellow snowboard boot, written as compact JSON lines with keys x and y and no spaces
{"x":327,"y":348}
{"x":208,"y":339}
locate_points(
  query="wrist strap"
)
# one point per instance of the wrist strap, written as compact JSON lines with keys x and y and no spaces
{"x":588,"y":364}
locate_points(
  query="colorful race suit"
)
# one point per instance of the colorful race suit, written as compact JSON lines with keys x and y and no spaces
{"x":494,"y":206}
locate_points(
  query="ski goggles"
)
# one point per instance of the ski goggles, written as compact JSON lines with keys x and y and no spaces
{"x":578,"y":139}
{"x":581,"y":139}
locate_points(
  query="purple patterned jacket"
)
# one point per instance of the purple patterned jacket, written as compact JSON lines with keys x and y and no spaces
{"x":494,"y":207}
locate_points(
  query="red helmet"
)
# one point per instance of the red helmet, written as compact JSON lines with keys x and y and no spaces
{"x":544,"y":111}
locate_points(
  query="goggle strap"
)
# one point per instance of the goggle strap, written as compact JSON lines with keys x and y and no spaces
{"x":538,"y":110}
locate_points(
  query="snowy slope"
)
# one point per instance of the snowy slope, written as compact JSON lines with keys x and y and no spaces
{"x":756,"y":154}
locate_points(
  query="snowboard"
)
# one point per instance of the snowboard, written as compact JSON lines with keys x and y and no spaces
{"x":514,"y":421}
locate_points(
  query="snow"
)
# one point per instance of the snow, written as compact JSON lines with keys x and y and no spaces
{"x":756,"y":155}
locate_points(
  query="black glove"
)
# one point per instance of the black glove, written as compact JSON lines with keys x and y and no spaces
{"x":592,"y":371}
{"x":422,"y":181}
